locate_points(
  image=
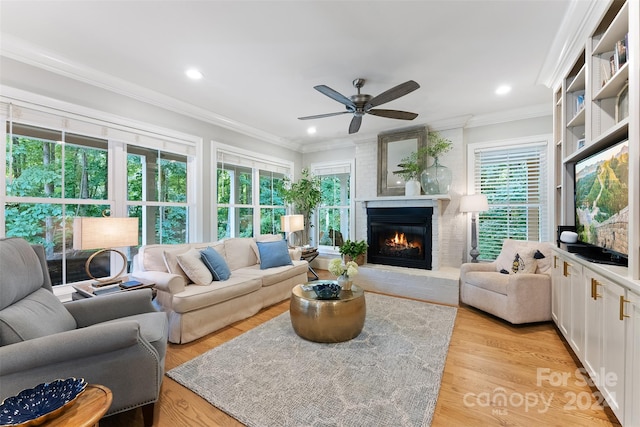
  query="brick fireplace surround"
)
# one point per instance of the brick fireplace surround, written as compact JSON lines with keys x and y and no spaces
{"x":440,"y":284}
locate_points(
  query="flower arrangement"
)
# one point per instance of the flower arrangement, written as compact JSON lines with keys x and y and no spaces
{"x":337,"y":267}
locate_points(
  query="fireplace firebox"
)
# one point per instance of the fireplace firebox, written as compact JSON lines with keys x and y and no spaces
{"x":400,"y":236}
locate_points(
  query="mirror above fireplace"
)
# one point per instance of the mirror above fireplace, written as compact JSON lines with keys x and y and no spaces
{"x":392,"y":148}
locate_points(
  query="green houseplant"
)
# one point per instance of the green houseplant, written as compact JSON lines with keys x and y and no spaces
{"x":436,"y":179}
{"x":305,"y":196}
{"x":353,"y":250}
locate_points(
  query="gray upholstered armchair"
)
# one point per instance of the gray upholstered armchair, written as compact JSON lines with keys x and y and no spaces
{"x":116,"y":340}
{"x":515,"y":287}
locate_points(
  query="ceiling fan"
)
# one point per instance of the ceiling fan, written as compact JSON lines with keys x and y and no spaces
{"x":361,"y":104}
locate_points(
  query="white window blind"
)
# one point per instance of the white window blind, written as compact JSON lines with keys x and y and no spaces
{"x":515,"y":183}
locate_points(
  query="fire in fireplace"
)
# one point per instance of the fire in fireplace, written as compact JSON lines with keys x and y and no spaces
{"x":399,"y":236}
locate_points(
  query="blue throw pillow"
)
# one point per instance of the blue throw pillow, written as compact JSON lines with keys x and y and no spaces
{"x":273,"y":254}
{"x":215,"y":263}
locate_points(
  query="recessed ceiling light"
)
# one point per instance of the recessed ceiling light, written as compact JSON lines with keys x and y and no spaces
{"x":193,"y":74}
{"x":312,"y":130}
{"x":503,"y":90}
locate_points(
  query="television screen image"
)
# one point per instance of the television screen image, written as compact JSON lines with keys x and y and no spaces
{"x":602,"y":198}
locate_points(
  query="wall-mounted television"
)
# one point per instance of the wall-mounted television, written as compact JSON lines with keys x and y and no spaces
{"x":602,"y":205}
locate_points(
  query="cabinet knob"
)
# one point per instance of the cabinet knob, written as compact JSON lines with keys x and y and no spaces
{"x":622,"y":301}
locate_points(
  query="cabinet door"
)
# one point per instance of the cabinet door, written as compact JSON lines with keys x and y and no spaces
{"x":556,"y":283}
{"x":565,"y":299}
{"x":611,"y":380}
{"x":632,"y":392}
{"x":593,"y":324}
{"x":577,"y":288}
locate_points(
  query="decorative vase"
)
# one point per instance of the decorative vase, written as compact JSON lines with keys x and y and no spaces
{"x":412,"y":188}
{"x":344,"y":282}
{"x":436,"y":179}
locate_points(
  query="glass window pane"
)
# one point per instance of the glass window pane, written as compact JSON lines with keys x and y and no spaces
{"x":134,"y":177}
{"x":333,"y":226}
{"x":244,"y":222}
{"x":165,"y":224}
{"x":34,"y":167}
{"x":173,"y":178}
{"x":271,"y":185}
{"x":270,"y":220}
{"x":85,"y":171}
{"x":224,"y":186}
{"x":224,"y":222}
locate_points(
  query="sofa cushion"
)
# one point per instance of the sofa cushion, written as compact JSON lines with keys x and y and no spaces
{"x":197,"y":297}
{"x":192,"y":264}
{"x":216,"y":264}
{"x":274,"y":254}
{"x":171,"y":262}
{"x":275,"y":275}
{"x":37,"y":315}
{"x":489,"y":280}
{"x":20,"y":271}
{"x":152,"y":256}
{"x":238,"y":252}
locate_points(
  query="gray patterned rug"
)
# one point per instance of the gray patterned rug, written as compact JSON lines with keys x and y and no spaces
{"x":389,"y":375}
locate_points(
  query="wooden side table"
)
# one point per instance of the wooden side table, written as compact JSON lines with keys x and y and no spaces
{"x":92,"y":404}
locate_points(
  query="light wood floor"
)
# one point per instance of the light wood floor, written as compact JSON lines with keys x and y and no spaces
{"x":489,"y":362}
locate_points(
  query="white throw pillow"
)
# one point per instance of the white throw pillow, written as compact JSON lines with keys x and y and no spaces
{"x":192,"y":264}
{"x":170,"y":257}
{"x":516,"y":258}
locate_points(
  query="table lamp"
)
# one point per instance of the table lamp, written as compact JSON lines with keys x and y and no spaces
{"x":291,"y":223}
{"x":104,"y":233}
{"x":474,"y":203}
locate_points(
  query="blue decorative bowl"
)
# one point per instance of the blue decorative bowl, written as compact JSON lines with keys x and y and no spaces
{"x":327,"y":290}
{"x":34,"y":406}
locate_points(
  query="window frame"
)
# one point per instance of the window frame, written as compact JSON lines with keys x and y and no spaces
{"x":546,"y":192}
{"x":316,"y":169}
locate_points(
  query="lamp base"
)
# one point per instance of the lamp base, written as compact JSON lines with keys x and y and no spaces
{"x":108,"y":280}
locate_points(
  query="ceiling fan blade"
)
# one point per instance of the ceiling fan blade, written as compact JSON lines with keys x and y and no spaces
{"x":393,"y":114}
{"x":326,"y":90}
{"x":354,"y":127}
{"x":393,"y":93}
{"x":319,"y":116}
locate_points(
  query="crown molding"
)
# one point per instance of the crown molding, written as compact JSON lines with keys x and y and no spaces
{"x":578,"y":23}
{"x":531,"y":112}
{"x":21,"y":51}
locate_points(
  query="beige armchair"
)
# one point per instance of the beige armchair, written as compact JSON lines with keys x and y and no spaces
{"x":516,"y":287}
{"x":116,"y":340}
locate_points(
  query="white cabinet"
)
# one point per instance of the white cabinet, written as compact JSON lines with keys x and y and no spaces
{"x":631,"y":308}
{"x":598,"y":312}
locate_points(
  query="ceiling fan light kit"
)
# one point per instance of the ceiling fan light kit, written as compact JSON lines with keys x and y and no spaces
{"x":361,"y":103}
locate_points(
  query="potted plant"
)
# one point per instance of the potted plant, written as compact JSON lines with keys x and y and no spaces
{"x":436,"y":179}
{"x":305,"y":196}
{"x":353,"y":250}
{"x":410,"y":169}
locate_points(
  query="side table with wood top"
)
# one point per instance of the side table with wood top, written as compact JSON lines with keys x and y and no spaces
{"x":91,"y":405}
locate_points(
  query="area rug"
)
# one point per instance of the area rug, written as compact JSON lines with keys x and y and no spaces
{"x":389,"y":375}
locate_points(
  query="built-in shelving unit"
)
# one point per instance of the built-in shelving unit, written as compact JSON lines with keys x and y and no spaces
{"x":597,"y":307}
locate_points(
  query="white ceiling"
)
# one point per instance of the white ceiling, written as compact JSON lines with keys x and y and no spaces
{"x":261,"y":59}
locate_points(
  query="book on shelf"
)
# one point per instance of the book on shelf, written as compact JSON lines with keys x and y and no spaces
{"x":620,"y":52}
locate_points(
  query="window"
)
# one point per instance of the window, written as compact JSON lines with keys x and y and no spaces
{"x":52,"y":175}
{"x":249,"y":194}
{"x":333,"y":216}
{"x":514,"y":179}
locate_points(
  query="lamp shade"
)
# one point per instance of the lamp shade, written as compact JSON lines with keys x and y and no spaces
{"x":291,"y":223}
{"x":104,"y":232}
{"x":474,"y":203}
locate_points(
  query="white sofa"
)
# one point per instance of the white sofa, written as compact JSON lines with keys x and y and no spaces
{"x":197,"y":310}
{"x":516,"y":287}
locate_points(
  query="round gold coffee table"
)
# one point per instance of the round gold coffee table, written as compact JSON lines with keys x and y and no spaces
{"x":328,"y":320}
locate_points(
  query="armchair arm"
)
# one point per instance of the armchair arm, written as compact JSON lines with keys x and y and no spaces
{"x":167,"y":282}
{"x":479,"y":266}
{"x":90,"y":311}
{"x":67,"y":346}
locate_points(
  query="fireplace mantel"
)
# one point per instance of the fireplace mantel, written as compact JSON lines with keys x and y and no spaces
{"x":399,"y":201}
